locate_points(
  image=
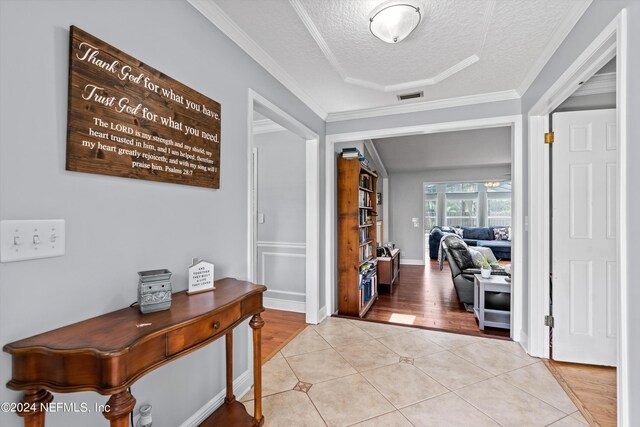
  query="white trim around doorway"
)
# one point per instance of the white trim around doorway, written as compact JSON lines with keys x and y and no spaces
{"x":612,"y":41}
{"x":515,"y":122}
{"x":312,"y":202}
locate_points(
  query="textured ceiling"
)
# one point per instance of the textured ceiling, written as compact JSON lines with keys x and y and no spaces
{"x":446,"y":150}
{"x":461,"y":48}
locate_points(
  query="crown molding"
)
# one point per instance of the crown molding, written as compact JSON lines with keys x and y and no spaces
{"x":317,"y":37}
{"x":563,"y":30}
{"x":422,"y":106}
{"x":488,"y":14}
{"x":218,"y":18}
{"x":598,"y":84}
{"x":266,"y":126}
{"x":414,"y":84}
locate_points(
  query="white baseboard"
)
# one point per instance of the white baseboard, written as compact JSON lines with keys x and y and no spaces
{"x":411,"y":261}
{"x":322,"y":314}
{"x":241,"y":386}
{"x":283,"y":304}
{"x":524,"y":340}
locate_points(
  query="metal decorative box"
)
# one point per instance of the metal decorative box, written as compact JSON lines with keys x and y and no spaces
{"x":154,"y":290}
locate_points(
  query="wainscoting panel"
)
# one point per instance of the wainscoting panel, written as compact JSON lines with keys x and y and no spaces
{"x":281,"y":268}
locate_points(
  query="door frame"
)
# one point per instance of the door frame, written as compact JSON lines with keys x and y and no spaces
{"x":612,"y":41}
{"x":515,"y":122}
{"x":312,"y":199}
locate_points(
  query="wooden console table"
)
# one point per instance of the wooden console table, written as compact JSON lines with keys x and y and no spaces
{"x":108,"y":353}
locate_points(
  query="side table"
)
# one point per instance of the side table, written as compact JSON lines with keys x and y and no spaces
{"x":485,"y":316}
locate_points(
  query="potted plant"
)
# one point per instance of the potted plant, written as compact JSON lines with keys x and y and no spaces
{"x":485,"y":267}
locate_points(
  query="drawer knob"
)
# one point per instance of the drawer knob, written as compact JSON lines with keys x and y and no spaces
{"x":216,"y":325}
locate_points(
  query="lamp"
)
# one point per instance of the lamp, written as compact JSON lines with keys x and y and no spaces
{"x":393,"y":21}
{"x":491,"y":184}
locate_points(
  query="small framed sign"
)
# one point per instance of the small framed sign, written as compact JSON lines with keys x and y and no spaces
{"x":200,"y":277}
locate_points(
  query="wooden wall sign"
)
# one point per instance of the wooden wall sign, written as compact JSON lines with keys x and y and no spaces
{"x":128,"y":119}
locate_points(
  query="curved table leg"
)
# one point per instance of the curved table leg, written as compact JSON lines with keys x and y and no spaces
{"x":118,"y":409}
{"x":34,"y":402}
{"x":256,"y":324}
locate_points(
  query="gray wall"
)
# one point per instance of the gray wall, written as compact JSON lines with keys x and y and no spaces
{"x":588,"y":102}
{"x":406,"y":192}
{"x":444,"y":150}
{"x":115,"y":226}
{"x":281,"y":198}
{"x":595,"y":19}
{"x":281,"y":186}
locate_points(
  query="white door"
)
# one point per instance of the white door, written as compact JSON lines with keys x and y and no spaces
{"x":585,"y":200}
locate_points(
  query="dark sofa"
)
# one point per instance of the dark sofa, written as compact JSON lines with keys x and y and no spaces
{"x":473,"y":236}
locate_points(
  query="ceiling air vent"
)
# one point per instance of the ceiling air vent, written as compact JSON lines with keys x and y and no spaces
{"x":413,"y":95}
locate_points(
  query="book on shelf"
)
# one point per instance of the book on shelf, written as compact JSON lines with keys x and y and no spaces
{"x":365,"y":218}
{"x":364,"y":199}
{"x":351,"y":153}
{"x":366,"y":252}
{"x":368,"y":285}
{"x":350,"y":150}
{"x":365,"y":181}
{"x":354,"y":153}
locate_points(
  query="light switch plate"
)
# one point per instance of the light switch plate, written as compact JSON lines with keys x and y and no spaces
{"x":260,"y":218}
{"x":21,"y":240}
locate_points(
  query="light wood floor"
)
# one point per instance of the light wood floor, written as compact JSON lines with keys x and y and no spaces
{"x":592,"y":389}
{"x":424,"y":296}
{"x":279,"y":328}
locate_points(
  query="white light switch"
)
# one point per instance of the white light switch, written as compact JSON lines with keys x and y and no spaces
{"x":31,"y":239}
{"x":260,"y":218}
{"x":416,"y":222}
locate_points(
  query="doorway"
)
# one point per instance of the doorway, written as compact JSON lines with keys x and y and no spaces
{"x":279,"y":169}
{"x":307,"y":240}
{"x":611,"y":42}
{"x":513,"y":123}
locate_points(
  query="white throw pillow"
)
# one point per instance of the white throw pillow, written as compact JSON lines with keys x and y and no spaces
{"x":476,"y":256}
{"x":486,"y":252}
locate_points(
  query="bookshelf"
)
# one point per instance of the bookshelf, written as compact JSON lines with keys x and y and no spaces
{"x":357,"y":262}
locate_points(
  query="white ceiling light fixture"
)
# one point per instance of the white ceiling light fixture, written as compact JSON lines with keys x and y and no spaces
{"x":392,"y":21}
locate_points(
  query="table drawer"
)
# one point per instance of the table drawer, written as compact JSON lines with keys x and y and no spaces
{"x":210,"y":326}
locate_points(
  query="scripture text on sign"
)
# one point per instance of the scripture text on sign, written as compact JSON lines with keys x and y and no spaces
{"x":128,"y":119}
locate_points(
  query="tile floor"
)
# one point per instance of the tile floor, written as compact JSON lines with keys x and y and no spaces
{"x":353,"y":373}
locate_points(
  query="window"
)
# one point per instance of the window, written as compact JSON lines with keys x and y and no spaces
{"x":461,"y":212}
{"x":430,"y":189}
{"x":461,"y":206}
{"x":430,"y":213}
{"x":462,"y":187}
{"x":430,"y":207}
{"x":467,"y":204}
{"x":498,"y":211}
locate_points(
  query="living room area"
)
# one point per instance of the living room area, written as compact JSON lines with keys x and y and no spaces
{"x":429,"y":191}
